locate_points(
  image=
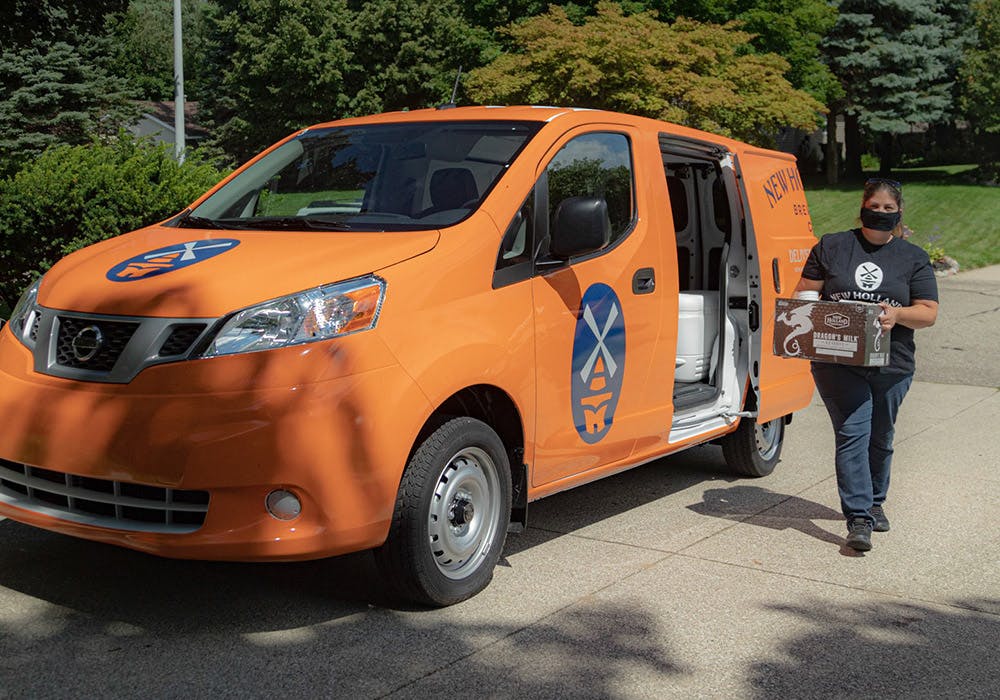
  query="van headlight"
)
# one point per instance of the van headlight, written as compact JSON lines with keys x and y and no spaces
{"x":25,"y":311}
{"x":321,"y":313}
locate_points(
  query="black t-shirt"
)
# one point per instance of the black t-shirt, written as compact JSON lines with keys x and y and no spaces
{"x":898,"y":272}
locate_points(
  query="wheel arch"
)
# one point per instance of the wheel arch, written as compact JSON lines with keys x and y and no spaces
{"x":494,"y":407}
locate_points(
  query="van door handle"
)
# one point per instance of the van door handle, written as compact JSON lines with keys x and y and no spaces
{"x":644,"y":281}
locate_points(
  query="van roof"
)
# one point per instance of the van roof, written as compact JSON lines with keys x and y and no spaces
{"x":545,"y":113}
{"x":478,"y":113}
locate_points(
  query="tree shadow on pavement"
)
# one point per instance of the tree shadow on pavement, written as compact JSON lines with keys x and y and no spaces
{"x":106,"y":622}
{"x":889,"y":650}
{"x":178,"y":596}
{"x":169,"y":596}
{"x":80,"y":618}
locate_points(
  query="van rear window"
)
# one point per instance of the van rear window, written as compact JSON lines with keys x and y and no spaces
{"x":372,"y":177}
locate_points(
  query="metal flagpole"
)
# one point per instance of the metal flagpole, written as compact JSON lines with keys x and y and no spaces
{"x":178,"y":85}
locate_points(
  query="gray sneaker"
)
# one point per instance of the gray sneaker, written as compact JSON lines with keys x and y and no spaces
{"x":859,"y":534}
{"x":881,"y":521}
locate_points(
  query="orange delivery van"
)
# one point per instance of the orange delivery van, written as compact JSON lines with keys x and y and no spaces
{"x":394,"y":332}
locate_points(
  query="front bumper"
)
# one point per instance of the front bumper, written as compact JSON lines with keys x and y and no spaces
{"x":332,"y":422}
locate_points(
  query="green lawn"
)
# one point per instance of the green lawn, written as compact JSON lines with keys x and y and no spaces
{"x":941,"y":206}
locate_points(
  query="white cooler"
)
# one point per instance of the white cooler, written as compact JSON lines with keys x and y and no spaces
{"x":697,"y":329}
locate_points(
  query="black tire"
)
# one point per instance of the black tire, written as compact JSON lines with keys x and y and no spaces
{"x":754,"y":449}
{"x":451,"y":515}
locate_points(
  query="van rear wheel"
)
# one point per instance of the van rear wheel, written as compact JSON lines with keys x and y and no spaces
{"x":450,"y":519}
{"x":753,"y":449}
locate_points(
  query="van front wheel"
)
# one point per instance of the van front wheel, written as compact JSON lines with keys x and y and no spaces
{"x":450,"y":519}
{"x":753,"y":449}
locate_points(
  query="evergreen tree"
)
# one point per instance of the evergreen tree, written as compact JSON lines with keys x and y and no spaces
{"x":24,"y":21}
{"x":143,"y":47}
{"x":55,"y":86}
{"x":896,"y":60}
{"x":408,"y":53}
{"x":55,"y":93}
{"x":276,"y":66}
{"x":280,"y":65}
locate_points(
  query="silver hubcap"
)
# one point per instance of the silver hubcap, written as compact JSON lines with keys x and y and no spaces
{"x":768,"y":438}
{"x":462,"y":522}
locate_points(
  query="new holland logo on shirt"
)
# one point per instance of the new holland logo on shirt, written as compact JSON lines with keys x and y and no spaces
{"x":168,"y":259}
{"x":598,"y":362}
{"x":868,"y":276}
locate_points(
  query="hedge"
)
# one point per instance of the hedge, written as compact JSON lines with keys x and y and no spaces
{"x":72,"y":196}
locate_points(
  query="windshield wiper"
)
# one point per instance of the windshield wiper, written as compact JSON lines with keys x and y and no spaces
{"x":190,"y":221}
{"x":293,"y":223}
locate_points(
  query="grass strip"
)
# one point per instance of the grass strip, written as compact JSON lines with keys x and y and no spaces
{"x":940,"y":204}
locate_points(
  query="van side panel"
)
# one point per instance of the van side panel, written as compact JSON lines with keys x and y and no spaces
{"x":450,"y":330}
{"x":780,"y":224}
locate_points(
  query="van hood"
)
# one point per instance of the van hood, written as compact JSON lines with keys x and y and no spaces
{"x":194,"y":273}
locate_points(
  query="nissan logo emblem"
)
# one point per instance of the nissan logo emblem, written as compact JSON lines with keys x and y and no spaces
{"x":87,"y":343}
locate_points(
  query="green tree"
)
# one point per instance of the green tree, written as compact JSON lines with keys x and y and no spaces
{"x":896,"y":60}
{"x":55,"y":86}
{"x":72,"y":196}
{"x":408,"y":53}
{"x":697,"y":74}
{"x":493,"y":14}
{"x":276,"y":66}
{"x":24,"y":21}
{"x":793,"y":29}
{"x":284,"y":64}
{"x":55,"y":93}
{"x":143,"y":48}
{"x":980,"y":85}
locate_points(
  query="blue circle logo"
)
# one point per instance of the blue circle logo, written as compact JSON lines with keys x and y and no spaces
{"x":598,"y":362}
{"x":164,"y":260}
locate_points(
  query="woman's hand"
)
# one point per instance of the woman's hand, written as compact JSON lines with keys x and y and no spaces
{"x":889,"y":316}
{"x":921,"y":314}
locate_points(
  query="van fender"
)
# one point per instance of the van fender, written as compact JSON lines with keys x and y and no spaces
{"x":496,"y":407}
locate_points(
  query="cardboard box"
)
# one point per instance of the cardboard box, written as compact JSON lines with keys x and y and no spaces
{"x":828,"y":331}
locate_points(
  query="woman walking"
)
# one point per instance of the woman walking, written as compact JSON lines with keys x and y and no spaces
{"x":871,"y":264}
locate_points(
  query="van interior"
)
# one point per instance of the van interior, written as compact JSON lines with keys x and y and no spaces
{"x":712,"y":274}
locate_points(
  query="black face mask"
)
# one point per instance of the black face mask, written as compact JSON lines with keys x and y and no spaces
{"x":880,"y":220}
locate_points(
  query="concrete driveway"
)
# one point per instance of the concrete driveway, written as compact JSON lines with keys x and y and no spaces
{"x":673,"y":579}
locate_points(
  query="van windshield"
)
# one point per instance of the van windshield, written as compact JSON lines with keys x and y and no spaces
{"x":381,"y":177}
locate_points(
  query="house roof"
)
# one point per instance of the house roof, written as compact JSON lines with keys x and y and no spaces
{"x":163,"y":112}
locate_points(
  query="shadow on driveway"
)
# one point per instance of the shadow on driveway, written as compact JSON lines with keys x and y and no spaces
{"x":764,"y":508}
{"x":886,"y":650}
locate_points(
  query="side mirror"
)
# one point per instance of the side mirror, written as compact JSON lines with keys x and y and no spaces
{"x":580,"y":225}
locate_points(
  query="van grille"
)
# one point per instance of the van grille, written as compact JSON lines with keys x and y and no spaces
{"x":181,"y":338}
{"x":113,"y":504}
{"x":115,"y":335}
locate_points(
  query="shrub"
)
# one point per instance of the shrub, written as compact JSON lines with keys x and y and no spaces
{"x":72,"y":196}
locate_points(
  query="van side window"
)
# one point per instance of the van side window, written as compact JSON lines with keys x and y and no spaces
{"x":595,"y":165}
{"x":514,"y":259}
{"x":515,"y":247}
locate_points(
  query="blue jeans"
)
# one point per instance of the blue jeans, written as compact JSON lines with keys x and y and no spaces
{"x":863,"y":404}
